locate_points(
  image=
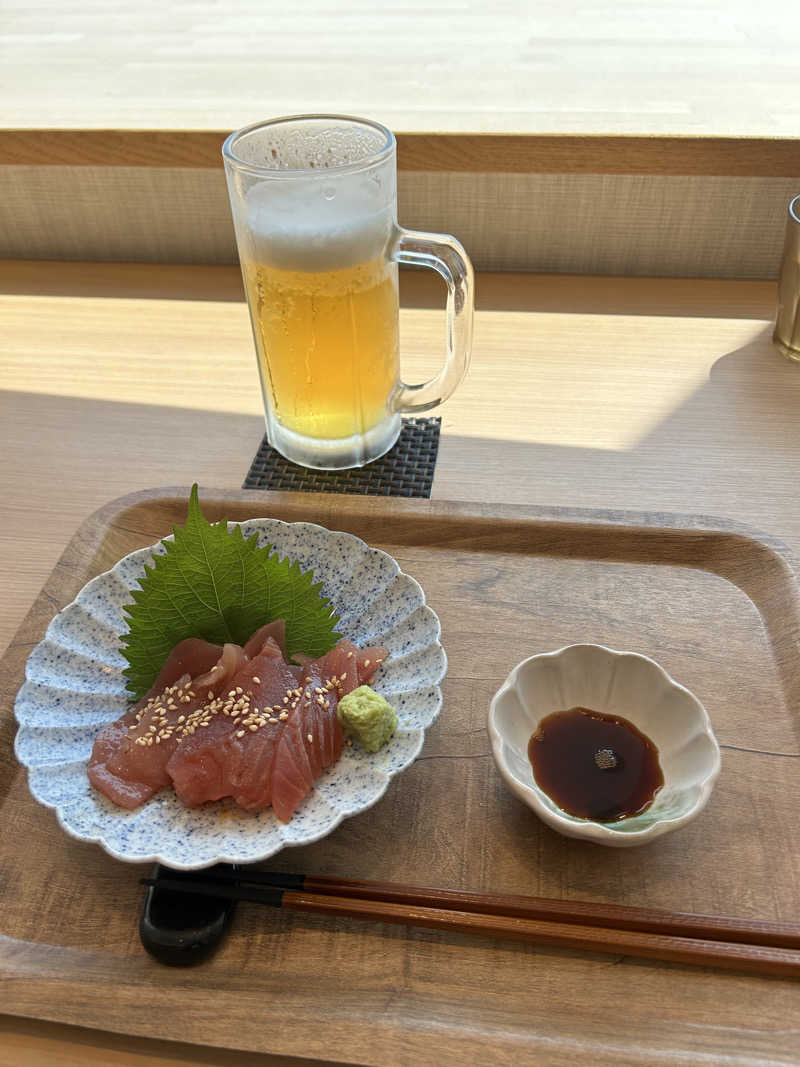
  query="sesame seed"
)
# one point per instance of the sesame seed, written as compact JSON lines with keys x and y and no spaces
{"x":158,"y":739}
{"x":252,"y":728}
{"x":310,"y":738}
{"x":273,"y":721}
{"x":256,"y":680}
{"x":286,"y":700}
{"x":240,"y":733}
{"x":210,"y":694}
{"x":284,"y":715}
{"x":239,"y":690}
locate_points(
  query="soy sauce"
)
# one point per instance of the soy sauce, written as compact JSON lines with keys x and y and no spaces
{"x":595,"y":766}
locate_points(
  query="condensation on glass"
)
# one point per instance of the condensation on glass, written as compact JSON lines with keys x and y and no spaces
{"x":314,"y":202}
{"x":787,"y":322}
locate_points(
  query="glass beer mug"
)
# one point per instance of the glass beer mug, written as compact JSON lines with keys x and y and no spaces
{"x":314,"y":202}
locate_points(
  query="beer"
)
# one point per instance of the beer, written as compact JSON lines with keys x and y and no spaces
{"x":327,"y":344}
{"x":323,"y":302}
{"x":314,"y":201}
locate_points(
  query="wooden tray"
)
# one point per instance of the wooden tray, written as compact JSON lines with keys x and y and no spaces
{"x":715,"y":604}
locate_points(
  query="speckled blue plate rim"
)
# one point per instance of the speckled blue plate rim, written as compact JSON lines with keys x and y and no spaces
{"x":381,"y":778}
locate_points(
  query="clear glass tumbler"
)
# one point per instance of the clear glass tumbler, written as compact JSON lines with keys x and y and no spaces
{"x":314,"y":202}
{"x":787,"y":320}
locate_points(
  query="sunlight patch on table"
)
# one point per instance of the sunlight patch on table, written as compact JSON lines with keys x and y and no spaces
{"x":196,"y":355}
{"x":573,"y":380}
{"x":586,"y":381}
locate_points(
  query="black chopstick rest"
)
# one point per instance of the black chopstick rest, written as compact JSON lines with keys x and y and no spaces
{"x":181,"y":929}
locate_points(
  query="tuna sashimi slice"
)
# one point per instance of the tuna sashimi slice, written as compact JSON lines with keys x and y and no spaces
{"x":255,"y":782}
{"x":233,"y":755}
{"x":276,"y":630}
{"x":111,"y":740}
{"x":129,"y":756}
{"x":312,"y":739}
{"x":193,"y":656}
{"x":348,"y":666}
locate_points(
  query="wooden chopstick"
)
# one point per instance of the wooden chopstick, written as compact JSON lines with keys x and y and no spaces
{"x":615,"y":916}
{"x":759,"y":959}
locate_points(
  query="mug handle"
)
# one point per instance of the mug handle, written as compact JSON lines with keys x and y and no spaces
{"x":444,"y":254}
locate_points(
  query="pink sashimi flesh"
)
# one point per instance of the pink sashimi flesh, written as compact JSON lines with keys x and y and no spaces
{"x":235,"y":753}
{"x":233,"y":721}
{"x":129,"y":757}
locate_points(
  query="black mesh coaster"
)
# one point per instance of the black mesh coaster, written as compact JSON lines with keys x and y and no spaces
{"x":405,"y":470}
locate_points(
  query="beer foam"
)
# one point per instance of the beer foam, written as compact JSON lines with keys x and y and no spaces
{"x":319,"y":224}
{"x":310,"y":144}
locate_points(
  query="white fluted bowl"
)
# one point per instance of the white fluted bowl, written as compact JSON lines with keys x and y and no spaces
{"x":614,"y":683}
{"x":74,"y":684}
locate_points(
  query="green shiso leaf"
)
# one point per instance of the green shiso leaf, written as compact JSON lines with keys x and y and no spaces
{"x":215,"y":584}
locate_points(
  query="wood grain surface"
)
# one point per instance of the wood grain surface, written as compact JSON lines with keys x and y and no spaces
{"x":654,"y":395}
{"x":496,"y":576}
{"x":32,"y":1042}
{"x":487,"y":153}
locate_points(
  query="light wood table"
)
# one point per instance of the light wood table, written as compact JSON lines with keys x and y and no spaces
{"x":584,"y":392}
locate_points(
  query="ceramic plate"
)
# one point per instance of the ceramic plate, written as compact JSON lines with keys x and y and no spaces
{"x":74,"y":684}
